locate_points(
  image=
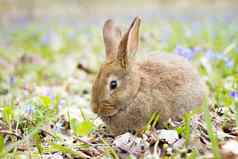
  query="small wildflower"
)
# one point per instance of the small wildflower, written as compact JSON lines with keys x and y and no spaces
{"x":186,"y":52}
{"x":196,"y":49}
{"x":234,"y":95}
{"x":229,"y":63}
{"x":236,"y":50}
{"x":29,"y":109}
{"x":12,"y":80}
{"x":52,"y":39}
{"x":50,"y":94}
{"x":61,"y":104}
{"x":45,"y":39}
{"x":210,"y":55}
{"x":220,"y":56}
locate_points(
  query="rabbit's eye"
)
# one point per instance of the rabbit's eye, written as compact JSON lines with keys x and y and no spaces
{"x":113,"y":84}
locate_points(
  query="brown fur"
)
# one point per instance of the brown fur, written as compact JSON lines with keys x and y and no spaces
{"x":165,"y":83}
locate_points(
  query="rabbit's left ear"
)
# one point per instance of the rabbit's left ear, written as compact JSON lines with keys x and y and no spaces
{"x":129,"y":43}
{"x":112,"y":37}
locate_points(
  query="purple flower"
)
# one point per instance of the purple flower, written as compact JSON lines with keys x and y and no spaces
{"x":45,"y":39}
{"x":23,"y":21}
{"x":52,"y":39}
{"x":210,"y":55}
{"x":12,"y":80}
{"x":220,"y":56}
{"x":61,"y":103}
{"x":50,"y":94}
{"x":196,"y":49}
{"x":186,"y":52}
{"x":234,"y":94}
{"x":229,"y":63}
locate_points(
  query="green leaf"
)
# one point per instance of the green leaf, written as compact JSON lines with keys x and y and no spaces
{"x":46,"y":101}
{"x":236,"y":113}
{"x":2,"y":146}
{"x":37,"y":140}
{"x":8,"y":114}
{"x":193,"y":155}
{"x":57,"y":100}
{"x":187,"y":119}
{"x":81,"y":128}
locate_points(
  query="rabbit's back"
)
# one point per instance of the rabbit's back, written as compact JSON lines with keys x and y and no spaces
{"x":175,"y":80}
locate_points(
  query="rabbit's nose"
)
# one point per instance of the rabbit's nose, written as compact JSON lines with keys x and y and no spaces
{"x":95,"y":108}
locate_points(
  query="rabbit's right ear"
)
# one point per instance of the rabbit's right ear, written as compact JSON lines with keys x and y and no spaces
{"x":112,"y":37}
{"x":129,"y":43}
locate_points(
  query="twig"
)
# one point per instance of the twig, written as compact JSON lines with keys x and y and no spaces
{"x":85,"y":69}
{"x":6,"y":132}
{"x":47,"y":132}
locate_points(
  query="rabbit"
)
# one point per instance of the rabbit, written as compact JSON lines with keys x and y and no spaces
{"x":126,"y":92}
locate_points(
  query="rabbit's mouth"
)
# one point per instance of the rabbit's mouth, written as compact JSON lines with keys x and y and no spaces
{"x":109,"y":115}
{"x":107,"y":109}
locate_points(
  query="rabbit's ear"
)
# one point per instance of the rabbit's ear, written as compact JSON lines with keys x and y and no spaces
{"x":112,"y":37}
{"x":129,"y":43}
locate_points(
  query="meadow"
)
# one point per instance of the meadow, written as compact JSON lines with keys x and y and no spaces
{"x":46,"y":73}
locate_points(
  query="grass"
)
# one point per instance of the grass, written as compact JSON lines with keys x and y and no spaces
{"x":45,"y":99}
{"x":211,"y":132}
{"x":187,"y":119}
{"x":236,"y":113}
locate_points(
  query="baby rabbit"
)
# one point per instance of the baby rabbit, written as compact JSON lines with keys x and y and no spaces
{"x":126,"y":92}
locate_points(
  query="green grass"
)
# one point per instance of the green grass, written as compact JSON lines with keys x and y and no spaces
{"x":211,"y":132}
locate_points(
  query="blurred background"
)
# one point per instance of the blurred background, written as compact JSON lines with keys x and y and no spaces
{"x":93,"y":11}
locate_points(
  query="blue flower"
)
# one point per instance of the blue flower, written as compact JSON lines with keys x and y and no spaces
{"x":229,"y":63}
{"x":187,"y":52}
{"x":12,"y":80}
{"x":196,"y":49}
{"x":210,"y":55}
{"x":220,"y":56}
{"x":61,"y":104}
{"x":50,"y":94}
{"x":29,"y":109}
{"x":236,"y":50}
{"x":234,"y":94}
{"x":45,"y":39}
